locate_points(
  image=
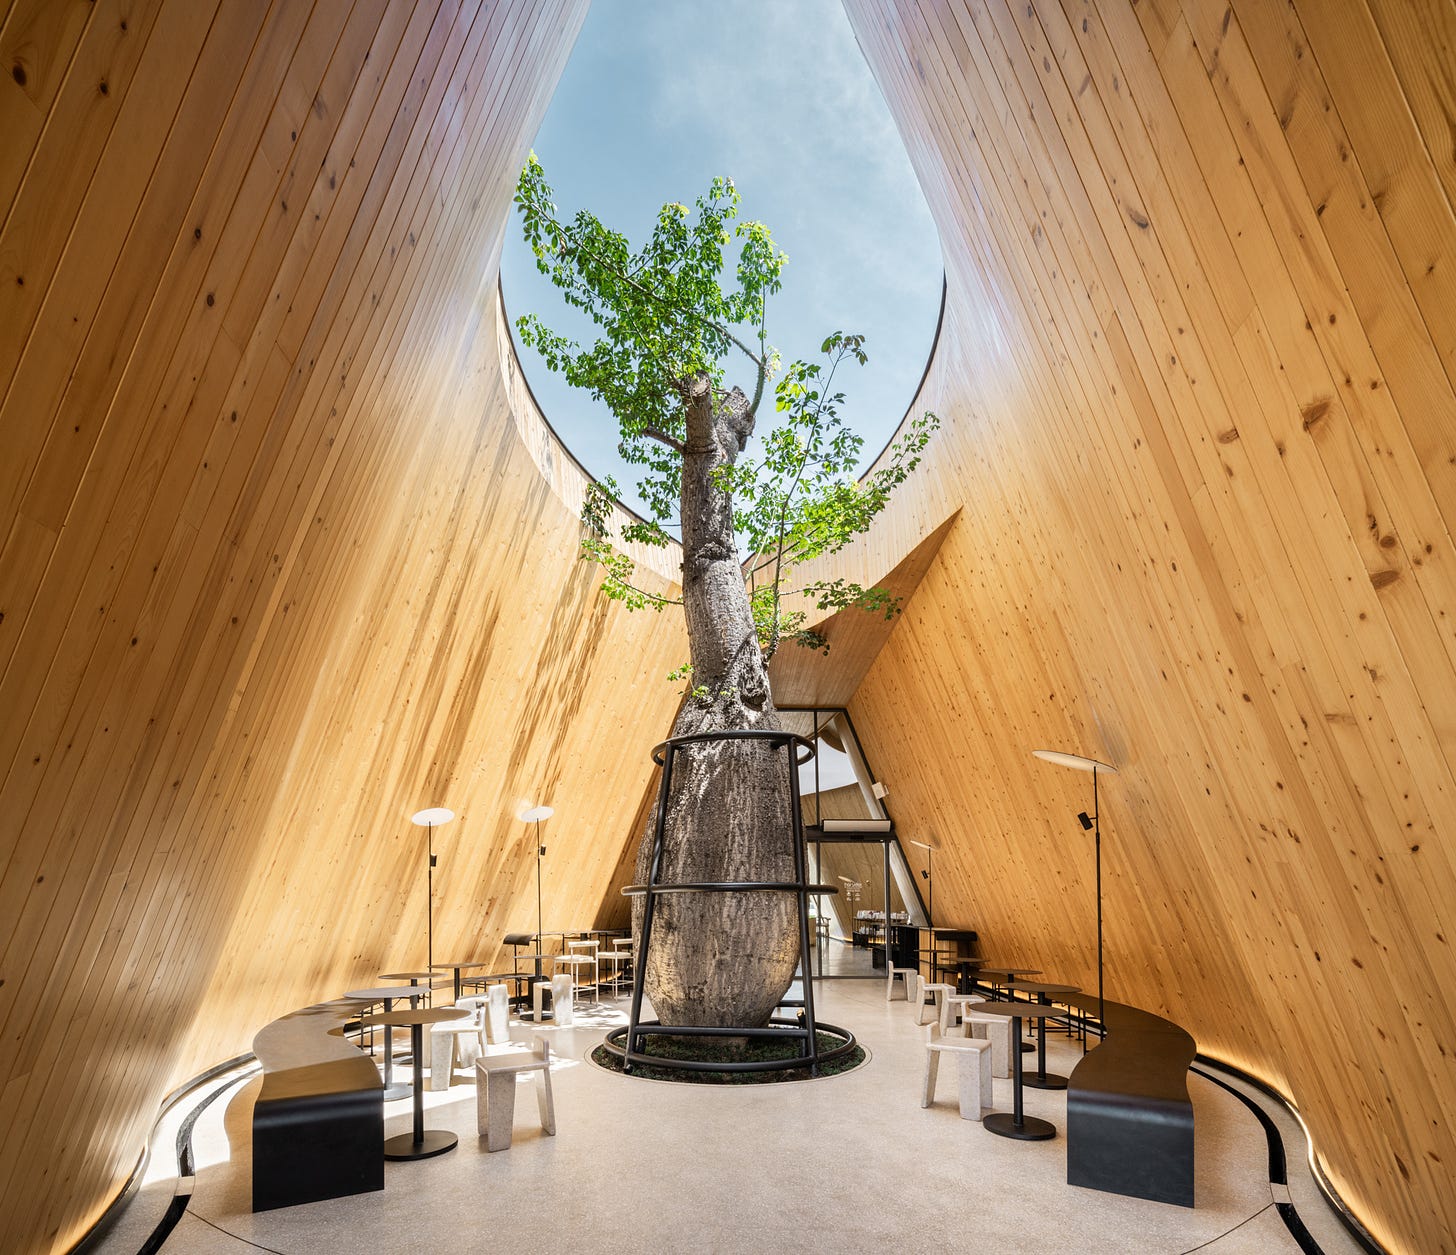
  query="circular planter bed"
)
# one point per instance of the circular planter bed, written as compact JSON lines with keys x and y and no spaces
{"x":700,"y":1050}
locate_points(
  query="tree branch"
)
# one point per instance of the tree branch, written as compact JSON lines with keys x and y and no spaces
{"x":653,"y":433}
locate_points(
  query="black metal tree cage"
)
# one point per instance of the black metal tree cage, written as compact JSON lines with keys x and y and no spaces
{"x":626,"y":1043}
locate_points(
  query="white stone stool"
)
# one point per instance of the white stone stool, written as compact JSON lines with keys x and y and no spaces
{"x":558,"y":989}
{"x":902,"y":974}
{"x":997,"y":1030}
{"x":497,"y":1014}
{"x":454,"y":1043}
{"x":495,"y":1093}
{"x":575,"y":962}
{"x":952,"y":1007}
{"x":973,"y":1071}
{"x":937,"y":994}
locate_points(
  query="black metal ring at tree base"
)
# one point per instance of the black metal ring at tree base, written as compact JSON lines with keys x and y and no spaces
{"x":614,"y":1045}
{"x":804,"y":1027}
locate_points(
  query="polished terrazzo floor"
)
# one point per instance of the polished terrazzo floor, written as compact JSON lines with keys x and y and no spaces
{"x":850,"y":1162}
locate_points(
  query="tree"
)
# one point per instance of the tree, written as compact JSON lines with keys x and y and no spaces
{"x":667,"y":329}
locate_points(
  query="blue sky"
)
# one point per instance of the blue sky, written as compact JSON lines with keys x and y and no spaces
{"x":658,"y":98}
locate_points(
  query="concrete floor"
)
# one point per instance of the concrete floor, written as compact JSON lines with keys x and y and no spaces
{"x":845,"y":1162}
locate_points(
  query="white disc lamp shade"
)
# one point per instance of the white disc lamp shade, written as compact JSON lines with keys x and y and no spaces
{"x":537,"y":813}
{"x":1076,"y":761}
{"x":432,"y":817}
{"x":930,"y":843}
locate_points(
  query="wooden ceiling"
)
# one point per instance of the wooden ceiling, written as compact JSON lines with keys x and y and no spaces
{"x":286,"y":553}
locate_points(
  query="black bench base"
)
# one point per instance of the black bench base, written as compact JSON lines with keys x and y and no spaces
{"x":1129,"y":1117}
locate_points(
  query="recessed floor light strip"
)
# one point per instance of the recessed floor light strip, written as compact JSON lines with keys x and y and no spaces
{"x":1278,"y":1177}
{"x":93,"y":1236}
{"x":186,"y":1168}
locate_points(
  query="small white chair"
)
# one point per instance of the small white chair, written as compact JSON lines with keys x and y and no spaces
{"x":937,"y":994}
{"x":973,"y":1071}
{"x":993,"y":1028}
{"x":455,"y":1043}
{"x":906,"y":976}
{"x":952,"y":1007}
{"x":495,"y":1092}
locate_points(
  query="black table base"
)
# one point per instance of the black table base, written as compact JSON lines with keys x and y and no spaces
{"x":408,"y":1146}
{"x":1050,"y":1081}
{"x":1030,"y":1128}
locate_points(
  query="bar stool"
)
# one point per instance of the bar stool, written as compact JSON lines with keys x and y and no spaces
{"x":574,"y":963}
{"x":592,"y":950}
{"x":619,"y":963}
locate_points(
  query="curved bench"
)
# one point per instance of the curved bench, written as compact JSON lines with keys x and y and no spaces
{"x":318,"y":1122}
{"x":1129,"y":1117}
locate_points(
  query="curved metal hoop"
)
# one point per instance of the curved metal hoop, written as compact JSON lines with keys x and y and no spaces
{"x":626,"y":1043}
{"x":806,"y":748}
{"x":615,"y":1044}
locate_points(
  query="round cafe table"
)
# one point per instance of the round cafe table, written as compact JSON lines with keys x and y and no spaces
{"x":1006,"y":975}
{"x":1041,"y":1078}
{"x":1016,"y":1123}
{"x":387,"y":994}
{"x":1010,"y":973}
{"x":419,"y":1143}
{"x":414,"y":978}
{"x":457,"y":968}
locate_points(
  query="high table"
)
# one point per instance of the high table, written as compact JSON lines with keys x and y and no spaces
{"x":387,"y":994}
{"x":456,"y":968}
{"x":1017,"y":1124}
{"x":414,"y":978}
{"x":1007,"y":975}
{"x":1041,"y":1078}
{"x":1010,"y":973}
{"x":419,"y":1143}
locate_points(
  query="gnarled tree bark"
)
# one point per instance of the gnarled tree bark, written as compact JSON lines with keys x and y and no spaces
{"x":720,"y":958}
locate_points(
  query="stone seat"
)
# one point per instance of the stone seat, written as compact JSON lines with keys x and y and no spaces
{"x":495,"y":1092}
{"x":973,"y":1071}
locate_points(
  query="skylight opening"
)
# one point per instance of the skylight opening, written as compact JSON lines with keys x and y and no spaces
{"x":658,"y":99}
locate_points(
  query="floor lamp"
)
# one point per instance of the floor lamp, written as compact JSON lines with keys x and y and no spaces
{"x":429,"y":820}
{"x":929,"y":847}
{"x":1080,"y":763}
{"x":534,"y":816}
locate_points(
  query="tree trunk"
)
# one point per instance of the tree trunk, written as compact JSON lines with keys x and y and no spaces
{"x":721,"y":958}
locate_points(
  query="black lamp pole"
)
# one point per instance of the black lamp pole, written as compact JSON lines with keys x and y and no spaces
{"x":534,"y":816}
{"x":1082,"y":763}
{"x":427,"y":819}
{"x":1097,"y":847}
{"x":540,"y":854}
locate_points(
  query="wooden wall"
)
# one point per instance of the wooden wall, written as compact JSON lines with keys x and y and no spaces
{"x":273,"y":522}
{"x":279,"y":564}
{"x":1197,"y":378}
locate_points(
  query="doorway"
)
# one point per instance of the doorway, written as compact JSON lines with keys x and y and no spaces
{"x":851,"y":844}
